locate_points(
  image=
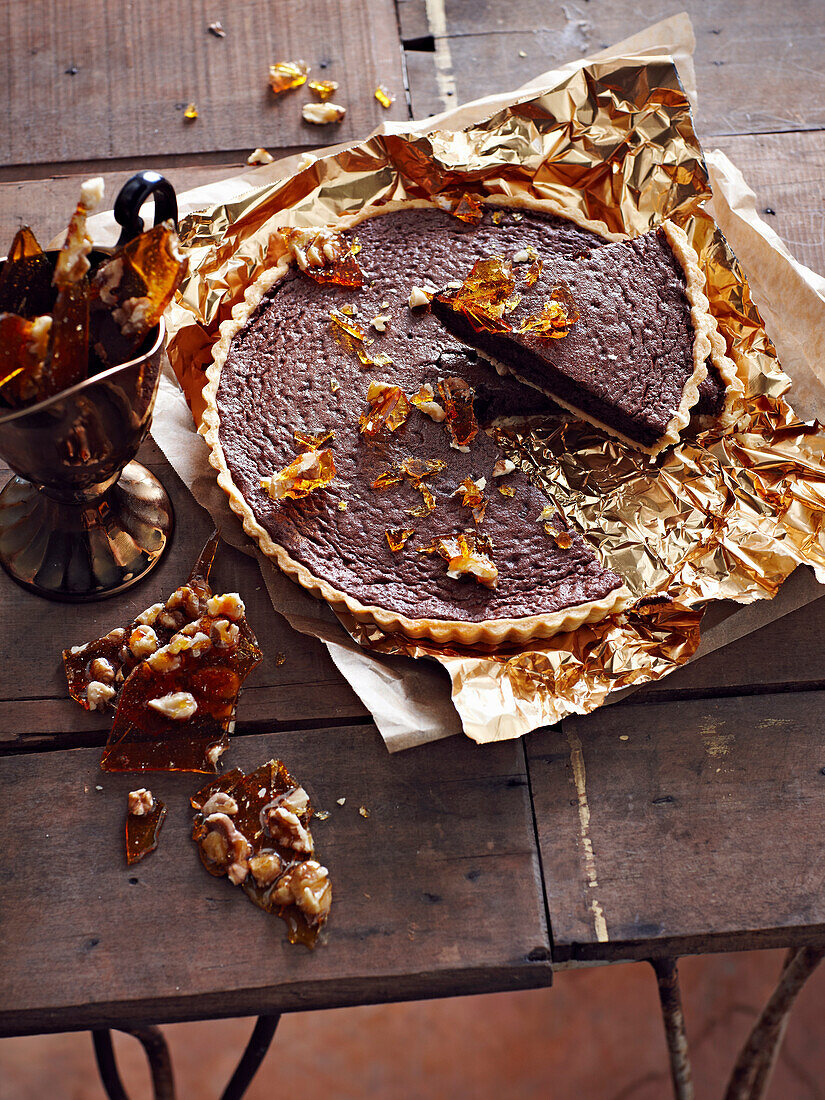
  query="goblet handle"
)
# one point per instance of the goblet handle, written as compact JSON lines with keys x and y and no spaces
{"x":134,"y":193}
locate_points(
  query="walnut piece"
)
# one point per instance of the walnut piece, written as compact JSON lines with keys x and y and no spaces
{"x":220,"y":803}
{"x":131,"y":316}
{"x":143,"y":641}
{"x":425,"y":402}
{"x":287,"y":830}
{"x":164,"y":660}
{"x":224,"y":633}
{"x":98,"y":695}
{"x":296,"y":801}
{"x":228,"y":606}
{"x":260,"y":156}
{"x":179,"y":705}
{"x":227,"y":847}
{"x":187,"y":599}
{"x":141,"y":802}
{"x":503,"y":467}
{"x":320,"y":114}
{"x":266,"y":867}
{"x":102,"y":670}
{"x":147,"y":617}
{"x":421,"y":296}
{"x":306,"y":885}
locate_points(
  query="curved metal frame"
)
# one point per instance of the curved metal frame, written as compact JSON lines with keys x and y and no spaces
{"x":160,"y":1061}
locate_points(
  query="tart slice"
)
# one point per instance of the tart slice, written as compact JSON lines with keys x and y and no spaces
{"x":621,"y":337}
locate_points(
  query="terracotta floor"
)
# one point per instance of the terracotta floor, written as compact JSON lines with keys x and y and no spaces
{"x":595,"y":1034}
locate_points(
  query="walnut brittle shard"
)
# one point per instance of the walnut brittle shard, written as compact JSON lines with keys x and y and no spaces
{"x":255,"y":830}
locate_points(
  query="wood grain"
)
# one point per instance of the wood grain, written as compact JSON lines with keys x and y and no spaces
{"x":684,"y":827}
{"x":35,"y":708}
{"x":139,"y":65}
{"x":437,"y":893}
{"x":759,"y":68}
{"x":787,"y":173}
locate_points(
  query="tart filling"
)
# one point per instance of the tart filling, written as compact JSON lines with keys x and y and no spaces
{"x":398,"y":536}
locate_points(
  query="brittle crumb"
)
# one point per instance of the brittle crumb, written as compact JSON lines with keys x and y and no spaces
{"x":260,"y":156}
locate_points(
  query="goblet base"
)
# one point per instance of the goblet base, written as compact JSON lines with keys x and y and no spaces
{"x":87,"y":551}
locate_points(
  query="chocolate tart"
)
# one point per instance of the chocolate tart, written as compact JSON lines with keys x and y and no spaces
{"x":635,"y":358}
{"x":281,"y":365}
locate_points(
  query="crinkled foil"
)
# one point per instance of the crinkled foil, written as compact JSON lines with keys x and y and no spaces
{"x":718,"y":517}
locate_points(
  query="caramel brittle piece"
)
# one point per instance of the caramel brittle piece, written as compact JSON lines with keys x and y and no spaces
{"x":255,"y":830}
{"x":144,"y":819}
{"x":416,"y":469}
{"x":556,"y":318}
{"x":554,"y":527}
{"x":286,"y":75}
{"x":472,"y":496}
{"x":107,"y":662}
{"x":387,"y":478}
{"x":466,"y":555}
{"x":486,"y":295}
{"x":67,"y":358}
{"x":23,"y":349}
{"x":421,"y":511}
{"x":26,"y":278}
{"x":384,"y":97}
{"x":177,"y":705}
{"x":174,"y":673}
{"x":327,"y":257}
{"x":397,"y":537}
{"x":387,"y":407}
{"x":457,"y":396}
{"x":324,"y":89}
{"x":312,"y":442}
{"x":468,"y":209}
{"x":306,"y":473}
{"x":132,"y":290}
{"x":73,"y":259}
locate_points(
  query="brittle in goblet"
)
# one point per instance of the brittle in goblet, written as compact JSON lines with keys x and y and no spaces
{"x":131,"y":290}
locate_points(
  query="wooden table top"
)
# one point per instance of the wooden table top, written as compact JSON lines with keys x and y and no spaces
{"x":687,"y":818}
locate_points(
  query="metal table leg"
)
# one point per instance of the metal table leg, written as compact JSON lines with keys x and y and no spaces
{"x":670,"y":999}
{"x":160,"y":1063}
{"x":751,"y":1074}
{"x":157,"y":1052}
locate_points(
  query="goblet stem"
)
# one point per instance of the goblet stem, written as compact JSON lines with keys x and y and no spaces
{"x":88,"y":548}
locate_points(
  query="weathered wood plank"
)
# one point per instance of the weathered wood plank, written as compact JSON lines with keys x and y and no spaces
{"x":33,"y":699}
{"x":437,"y":893}
{"x":137,"y":67}
{"x":759,"y":68}
{"x":683,"y":828}
{"x":787,"y":173}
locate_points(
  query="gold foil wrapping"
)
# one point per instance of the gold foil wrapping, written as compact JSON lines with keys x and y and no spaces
{"x":720,"y":516}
